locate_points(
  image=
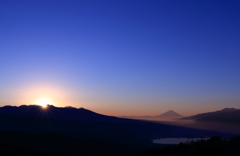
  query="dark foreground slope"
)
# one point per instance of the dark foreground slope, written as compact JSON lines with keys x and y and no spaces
{"x":52,"y":144}
{"x":77,"y":129}
{"x":9,"y":150}
{"x":56,"y":144}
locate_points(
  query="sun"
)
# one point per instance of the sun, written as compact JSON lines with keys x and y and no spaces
{"x":43,"y":102}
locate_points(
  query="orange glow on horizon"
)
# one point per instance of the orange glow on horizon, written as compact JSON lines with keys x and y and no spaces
{"x":43,"y":94}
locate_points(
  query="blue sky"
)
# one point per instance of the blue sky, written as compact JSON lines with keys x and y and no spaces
{"x":133,"y":57}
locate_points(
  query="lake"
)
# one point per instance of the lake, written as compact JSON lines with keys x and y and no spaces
{"x":175,"y":140}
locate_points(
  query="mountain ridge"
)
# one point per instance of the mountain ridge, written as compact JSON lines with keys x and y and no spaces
{"x":64,"y":113}
{"x":231,"y":115}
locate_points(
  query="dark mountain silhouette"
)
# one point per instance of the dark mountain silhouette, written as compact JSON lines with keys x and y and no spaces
{"x":229,"y":115}
{"x":84,"y":123}
{"x":169,"y":115}
{"x":111,"y":132}
{"x":228,"y":110}
{"x":65,"y":113}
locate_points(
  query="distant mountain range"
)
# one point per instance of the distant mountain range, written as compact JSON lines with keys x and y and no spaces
{"x":169,"y":115}
{"x":229,"y":115}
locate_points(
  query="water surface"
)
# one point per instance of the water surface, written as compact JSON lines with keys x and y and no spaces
{"x":175,"y":140}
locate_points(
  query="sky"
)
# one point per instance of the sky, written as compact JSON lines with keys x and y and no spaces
{"x":121,"y":57}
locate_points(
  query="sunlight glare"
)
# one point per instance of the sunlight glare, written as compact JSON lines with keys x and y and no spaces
{"x":43,"y":102}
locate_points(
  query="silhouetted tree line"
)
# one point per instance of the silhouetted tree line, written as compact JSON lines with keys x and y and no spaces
{"x":215,"y":146}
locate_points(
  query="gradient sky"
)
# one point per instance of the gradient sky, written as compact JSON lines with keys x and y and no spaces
{"x":121,"y":57}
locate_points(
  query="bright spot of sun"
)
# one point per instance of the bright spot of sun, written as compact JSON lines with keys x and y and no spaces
{"x":43,"y":102}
